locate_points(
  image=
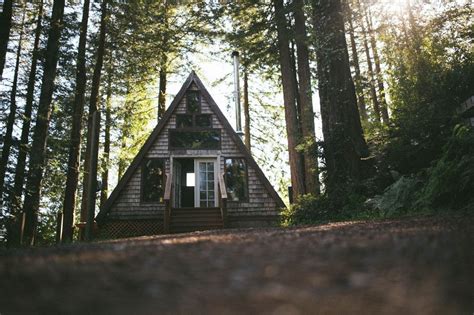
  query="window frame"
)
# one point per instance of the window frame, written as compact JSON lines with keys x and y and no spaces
{"x":193,"y":120}
{"x":247,"y":195}
{"x":198,"y":93}
{"x":142,"y":181}
{"x":193,"y":129}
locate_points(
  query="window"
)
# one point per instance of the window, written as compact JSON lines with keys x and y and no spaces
{"x":190,"y":120}
{"x":153,"y":180}
{"x":203,"y":121}
{"x":184,"y":121}
{"x":195,"y":139}
{"x":235,"y":171}
{"x":193,"y":102}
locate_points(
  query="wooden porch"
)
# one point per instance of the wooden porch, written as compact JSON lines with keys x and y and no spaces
{"x":181,"y":220}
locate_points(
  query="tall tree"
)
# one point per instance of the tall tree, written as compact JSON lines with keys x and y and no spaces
{"x":40,"y":135}
{"x":289,"y":98}
{"x":106,"y":156}
{"x":8,"y":137}
{"x":5,"y":27}
{"x":25,"y":130}
{"x":311,"y":176}
{"x":344,"y":143}
{"x":23,"y":149}
{"x":75,"y":142}
{"x":378,"y":70}
{"x":370,"y":69}
{"x":355,"y":61}
{"x":93,"y":108}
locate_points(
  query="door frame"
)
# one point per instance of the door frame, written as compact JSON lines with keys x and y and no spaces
{"x":197,"y":197}
{"x":217,"y":172}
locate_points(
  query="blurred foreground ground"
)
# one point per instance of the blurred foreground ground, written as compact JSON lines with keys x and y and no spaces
{"x":414,"y":266}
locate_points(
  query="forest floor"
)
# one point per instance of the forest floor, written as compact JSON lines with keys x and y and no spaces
{"x":411,"y":266}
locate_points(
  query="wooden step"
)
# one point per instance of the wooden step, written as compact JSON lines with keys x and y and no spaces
{"x":195,"y":219}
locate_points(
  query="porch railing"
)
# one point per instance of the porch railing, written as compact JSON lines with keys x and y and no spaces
{"x":167,"y":201}
{"x":223,"y":200}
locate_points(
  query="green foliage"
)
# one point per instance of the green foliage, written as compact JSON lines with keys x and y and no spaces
{"x":310,"y":209}
{"x":450,"y":183}
{"x":430,"y":73}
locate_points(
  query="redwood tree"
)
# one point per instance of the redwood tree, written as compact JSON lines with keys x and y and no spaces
{"x":25,"y":129}
{"x":311,"y":172}
{"x":40,"y":135}
{"x":93,"y":108}
{"x":7,"y":139}
{"x":75,"y":142}
{"x":344,"y":143}
{"x":289,"y":99}
{"x":5,"y":26}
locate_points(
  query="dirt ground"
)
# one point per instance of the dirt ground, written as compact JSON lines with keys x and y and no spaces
{"x":414,"y":266}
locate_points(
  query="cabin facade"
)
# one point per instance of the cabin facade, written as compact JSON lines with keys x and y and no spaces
{"x":193,"y":173}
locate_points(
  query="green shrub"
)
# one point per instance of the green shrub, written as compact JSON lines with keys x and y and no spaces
{"x":450,"y":183}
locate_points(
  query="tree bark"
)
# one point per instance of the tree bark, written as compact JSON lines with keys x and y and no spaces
{"x":5,"y":27}
{"x":373,"y":92}
{"x":8,"y":138}
{"x":90,"y":196}
{"x":162,"y":94}
{"x":247,"y":111}
{"x":358,"y":76}
{"x":106,"y":157}
{"x":344,"y":143}
{"x":23,"y":149}
{"x":378,"y":71}
{"x":289,"y":99}
{"x":40,"y":135}
{"x":72,"y":178}
{"x":311,"y":169}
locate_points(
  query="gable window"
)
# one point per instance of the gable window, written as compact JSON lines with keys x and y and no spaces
{"x":190,"y":120}
{"x":195,"y":139}
{"x":184,"y":120}
{"x":203,"y":121}
{"x":236,"y":181}
{"x":153,"y":180}
{"x":193,"y":102}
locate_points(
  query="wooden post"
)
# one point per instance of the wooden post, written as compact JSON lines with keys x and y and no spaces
{"x":92,"y":183}
{"x":168,"y":201}
{"x":22,"y":226}
{"x":59,"y":227}
{"x":223,"y":200}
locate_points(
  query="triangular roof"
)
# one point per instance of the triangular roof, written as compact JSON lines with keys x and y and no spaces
{"x":192,"y":78}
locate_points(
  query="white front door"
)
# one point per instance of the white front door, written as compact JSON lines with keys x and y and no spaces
{"x":205,"y":190}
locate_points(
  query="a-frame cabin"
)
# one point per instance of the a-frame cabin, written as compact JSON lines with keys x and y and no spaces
{"x":193,"y":173}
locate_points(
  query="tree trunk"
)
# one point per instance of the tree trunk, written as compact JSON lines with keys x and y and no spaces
{"x":8,"y":138}
{"x":5,"y":26}
{"x":247,"y":111}
{"x":163,"y":65}
{"x":378,"y":71}
{"x":72,"y":178}
{"x":40,"y":135}
{"x":307,"y":115}
{"x":90,"y":195}
{"x":358,"y":77}
{"x":370,"y":70}
{"x":25,"y":132}
{"x":106,"y":157}
{"x":162,"y":95}
{"x":289,"y":99}
{"x":344,"y":144}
